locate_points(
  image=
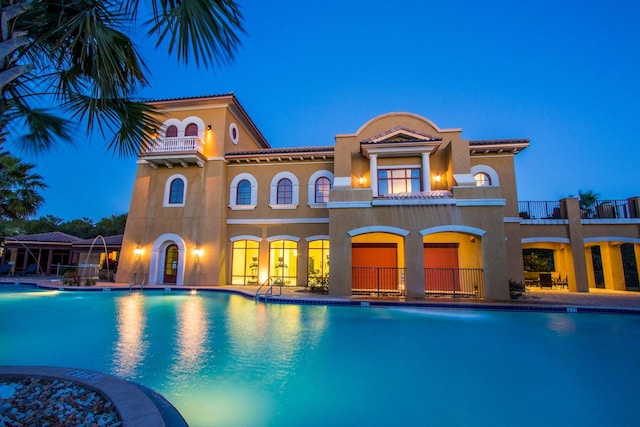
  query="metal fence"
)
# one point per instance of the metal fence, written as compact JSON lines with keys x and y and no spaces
{"x":539,"y":210}
{"x":378,"y":280}
{"x":457,"y":282}
{"x":603,"y":209}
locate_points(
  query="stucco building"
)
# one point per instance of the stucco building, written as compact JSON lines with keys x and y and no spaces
{"x":399,"y":206}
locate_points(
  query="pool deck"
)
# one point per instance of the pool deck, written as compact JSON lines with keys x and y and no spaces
{"x":596,"y":300}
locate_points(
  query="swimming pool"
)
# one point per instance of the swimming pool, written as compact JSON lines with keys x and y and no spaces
{"x":224,"y":360}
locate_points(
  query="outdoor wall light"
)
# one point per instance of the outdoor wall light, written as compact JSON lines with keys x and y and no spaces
{"x":208,"y":127}
{"x":137,"y":252}
{"x":198,"y":252}
{"x":438,"y":178}
{"x":361,"y":180}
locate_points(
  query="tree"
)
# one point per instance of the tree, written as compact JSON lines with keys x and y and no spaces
{"x":44,"y":224}
{"x":19,"y":187}
{"x":587,"y":201}
{"x":76,"y":54}
{"x":111,"y":225}
{"x":83,"y":227}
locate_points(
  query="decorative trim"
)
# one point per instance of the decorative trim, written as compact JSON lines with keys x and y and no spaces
{"x":545,"y":240}
{"x":453,"y":228}
{"x":245,"y":237}
{"x":283,"y":207}
{"x":311,"y":186}
{"x":348,"y":205}
{"x":537,"y":221}
{"x":282,"y":237}
{"x":480,"y":202}
{"x":611,"y":221}
{"x":512,"y":219}
{"x":412,"y":202}
{"x":278,"y":221}
{"x":491,"y":173}
{"x":317,"y":237}
{"x":295,"y":190}
{"x":233,"y":192}
{"x":234,"y":133}
{"x":378,"y":229}
{"x":167,"y":191}
{"x":318,"y":205}
{"x":612,"y":239}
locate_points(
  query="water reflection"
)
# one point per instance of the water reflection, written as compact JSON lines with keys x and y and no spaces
{"x":131,"y":348}
{"x":192,"y":331}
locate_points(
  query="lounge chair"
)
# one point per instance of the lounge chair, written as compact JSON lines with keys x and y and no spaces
{"x":5,"y":270}
{"x":546,"y":280}
{"x":32,"y":270}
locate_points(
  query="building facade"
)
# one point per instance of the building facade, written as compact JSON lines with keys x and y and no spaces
{"x":401,"y":206}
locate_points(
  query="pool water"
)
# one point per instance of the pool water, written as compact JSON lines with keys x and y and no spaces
{"x":224,"y":360}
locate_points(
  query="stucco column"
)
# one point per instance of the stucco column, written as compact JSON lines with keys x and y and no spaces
{"x":373,"y":173}
{"x":426,"y":172}
{"x":576,"y":239}
{"x":414,"y":266}
{"x":612,"y":267}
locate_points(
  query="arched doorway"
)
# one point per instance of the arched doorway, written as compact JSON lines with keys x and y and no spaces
{"x":170,"y":264}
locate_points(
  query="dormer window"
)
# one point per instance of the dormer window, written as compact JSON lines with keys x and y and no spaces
{"x":397,"y":181}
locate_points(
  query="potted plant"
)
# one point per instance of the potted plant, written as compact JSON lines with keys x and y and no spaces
{"x":108,"y":269}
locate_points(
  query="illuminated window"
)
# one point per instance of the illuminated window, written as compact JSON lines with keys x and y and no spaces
{"x":396,"y":181}
{"x":283,"y":256}
{"x":318,"y":263}
{"x":482,"y":179}
{"x":244,"y":262}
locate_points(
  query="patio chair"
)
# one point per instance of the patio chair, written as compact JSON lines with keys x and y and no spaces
{"x":5,"y":270}
{"x":32,"y":270}
{"x":546,"y":280}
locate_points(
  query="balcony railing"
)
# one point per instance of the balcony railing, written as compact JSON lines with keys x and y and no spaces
{"x":169,"y":145}
{"x":378,"y":280}
{"x":604,"y":209}
{"x":539,"y":210}
{"x":456,"y":282}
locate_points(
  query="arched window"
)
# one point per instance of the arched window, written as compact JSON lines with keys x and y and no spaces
{"x":284,"y":192}
{"x":482,"y":179}
{"x":244,"y":262}
{"x":243,"y":193}
{"x":172,"y":132}
{"x":191,"y":130}
{"x":322,"y":189}
{"x":176,"y":191}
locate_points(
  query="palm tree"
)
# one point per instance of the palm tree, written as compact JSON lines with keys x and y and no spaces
{"x":76,"y":55}
{"x":587,"y":201}
{"x":19,"y":187}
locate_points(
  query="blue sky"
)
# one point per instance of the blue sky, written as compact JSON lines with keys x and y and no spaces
{"x":564,"y":74}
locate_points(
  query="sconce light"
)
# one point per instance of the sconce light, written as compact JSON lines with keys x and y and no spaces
{"x":137,"y":252}
{"x":198,"y":252}
{"x":208,"y":127}
{"x":438,"y":178}
{"x":361,"y":180}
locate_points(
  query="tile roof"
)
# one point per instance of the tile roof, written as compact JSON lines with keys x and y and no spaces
{"x":435,"y":194}
{"x":498,"y":141}
{"x":51,"y":237}
{"x":114,"y":240}
{"x":276,"y":151}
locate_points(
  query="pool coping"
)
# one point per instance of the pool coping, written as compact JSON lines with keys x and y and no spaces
{"x":136,"y":405}
{"x":312,"y":299}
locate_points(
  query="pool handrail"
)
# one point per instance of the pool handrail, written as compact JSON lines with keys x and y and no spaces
{"x":269,"y":291}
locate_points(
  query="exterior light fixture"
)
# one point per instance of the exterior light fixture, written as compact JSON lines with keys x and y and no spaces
{"x":137,"y":252}
{"x":438,"y":178}
{"x":198,"y":252}
{"x":361,"y":180}
{"x":208,"y":127}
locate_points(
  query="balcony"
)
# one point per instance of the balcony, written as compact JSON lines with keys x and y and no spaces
{"x":169,"y":152}
{"x":602,"y":209}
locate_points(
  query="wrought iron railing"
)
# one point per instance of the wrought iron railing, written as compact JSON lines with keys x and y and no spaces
{"x":378,"y":280}
{"x":167,"y":145}
{"x":540,"y":210}
{"x":603,"y":209}
{"x":456,"y":282}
